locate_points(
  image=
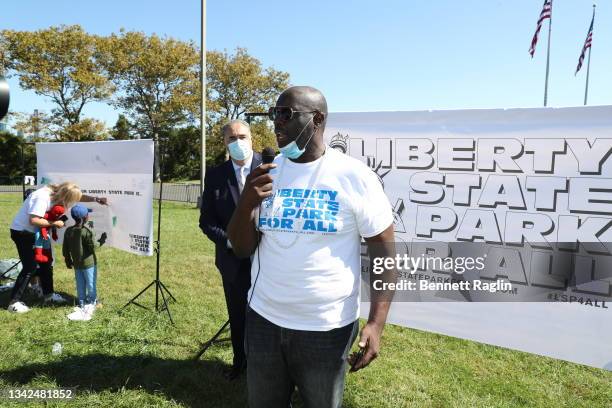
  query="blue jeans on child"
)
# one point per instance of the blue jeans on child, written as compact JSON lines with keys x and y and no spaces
{"x":279,"y":359}
{"x":86,"y":285}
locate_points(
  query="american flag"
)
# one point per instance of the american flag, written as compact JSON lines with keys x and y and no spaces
{"x":546,"y":13}
{"x":587,"y":45}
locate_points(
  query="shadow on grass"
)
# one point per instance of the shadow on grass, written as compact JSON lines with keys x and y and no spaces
{"x":192,"y":383}
{"x":32,"y":301}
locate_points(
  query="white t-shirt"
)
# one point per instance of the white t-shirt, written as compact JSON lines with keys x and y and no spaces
{"x":310,"y":248}
{"x":37,"y":203}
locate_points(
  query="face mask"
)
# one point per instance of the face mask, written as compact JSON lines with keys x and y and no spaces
{"x":239,"y":150}
{"x":291,"y":150}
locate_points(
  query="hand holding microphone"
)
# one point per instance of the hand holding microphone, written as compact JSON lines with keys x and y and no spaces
{"x":258,"y":184}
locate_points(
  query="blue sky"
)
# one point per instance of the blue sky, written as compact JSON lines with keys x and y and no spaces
{"x":368,"y":56}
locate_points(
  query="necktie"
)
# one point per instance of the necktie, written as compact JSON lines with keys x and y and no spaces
{"x":241,"y":178}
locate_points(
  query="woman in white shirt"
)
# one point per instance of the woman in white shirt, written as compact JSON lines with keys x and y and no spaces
{"x":24,"y":225}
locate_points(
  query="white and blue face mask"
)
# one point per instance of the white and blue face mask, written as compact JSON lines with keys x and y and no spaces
{"x":291,"y":150}
{"x":239,"y":149}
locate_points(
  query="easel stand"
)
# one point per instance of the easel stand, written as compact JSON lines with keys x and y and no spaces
{"x":161,"y":291}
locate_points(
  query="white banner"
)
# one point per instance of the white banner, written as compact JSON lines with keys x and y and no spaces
{"x":121,"y":171}
{"x":512,"y":179}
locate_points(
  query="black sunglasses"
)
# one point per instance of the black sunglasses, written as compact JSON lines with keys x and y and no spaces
{"x":284,"y":113}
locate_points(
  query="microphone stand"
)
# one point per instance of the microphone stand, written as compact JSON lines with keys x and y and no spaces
{"x":215,"y":338}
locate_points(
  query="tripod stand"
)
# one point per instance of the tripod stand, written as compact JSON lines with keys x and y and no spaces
{"x":160,"y":289}
{"x":214,"y":339}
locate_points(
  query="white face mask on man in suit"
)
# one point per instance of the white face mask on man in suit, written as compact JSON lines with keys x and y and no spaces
{"x":240,"y":149}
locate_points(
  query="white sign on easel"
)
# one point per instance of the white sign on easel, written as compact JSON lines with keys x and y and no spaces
{"x":121,"y":171}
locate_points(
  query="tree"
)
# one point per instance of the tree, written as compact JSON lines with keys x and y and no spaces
{"x":62,"y":64}
{"x":10,"y":158}
{"x":237,"y":84}
{"x":34,"y":127}
{"x":263,"y":135}
{"x":39,"y":126}
{"x":122,"y":129}
{"x":157,"y":77}
{"x":181,"y":153}
{"x":215,"y":148}
{"x":87,"y":129}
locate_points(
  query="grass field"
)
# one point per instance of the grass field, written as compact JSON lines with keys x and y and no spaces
{"x":138,"y":359}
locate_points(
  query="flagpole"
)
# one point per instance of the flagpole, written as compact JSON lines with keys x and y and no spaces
{"x":548,"y":58}
{"x":586,"y":86}
{"x":203,"y":98}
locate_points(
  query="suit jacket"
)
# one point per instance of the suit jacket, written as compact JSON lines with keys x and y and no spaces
{"x":218,"y":204}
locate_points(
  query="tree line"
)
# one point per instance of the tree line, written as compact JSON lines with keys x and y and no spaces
{"x":152,"y":81}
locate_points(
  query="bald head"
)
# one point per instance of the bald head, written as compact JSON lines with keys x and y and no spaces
{"x":307,"y":97}
{"x":304,"y":123}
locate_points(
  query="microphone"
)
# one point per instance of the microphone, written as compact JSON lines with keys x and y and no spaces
{"x":267,"y":155}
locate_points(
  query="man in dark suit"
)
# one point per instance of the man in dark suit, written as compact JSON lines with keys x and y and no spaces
{"x":222,"y":187}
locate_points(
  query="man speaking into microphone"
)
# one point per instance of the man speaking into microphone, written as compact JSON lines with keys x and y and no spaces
{"x":302,"y":218}
{"x":222,"y":187}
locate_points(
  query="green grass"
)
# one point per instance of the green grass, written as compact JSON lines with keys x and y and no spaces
{"x":138,"y":359}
